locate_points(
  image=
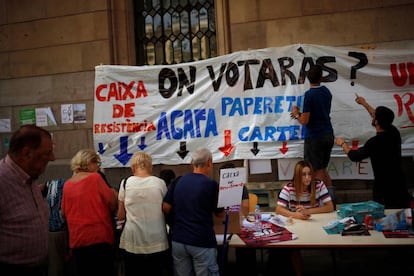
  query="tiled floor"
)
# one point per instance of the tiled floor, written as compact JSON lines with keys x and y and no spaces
{"x":359,"y":261}
{"x":347,"y":262}
{"x":323,"y":262}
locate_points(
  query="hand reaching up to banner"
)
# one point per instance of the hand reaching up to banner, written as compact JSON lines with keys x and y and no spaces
{"x":361,"y":100}
{"x":342,"y":143}
{"x":295,"y":114}
{"x":384,"y":150}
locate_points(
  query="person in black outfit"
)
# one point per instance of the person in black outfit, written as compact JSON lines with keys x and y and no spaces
{"x":168,"y":176}
{"x":170,"y":180}
{"x":319,"y":135}
{"x":384,"y":149}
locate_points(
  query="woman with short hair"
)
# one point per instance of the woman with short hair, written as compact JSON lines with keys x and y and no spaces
{"x":88,"y":205}
{"x":144,"y":237}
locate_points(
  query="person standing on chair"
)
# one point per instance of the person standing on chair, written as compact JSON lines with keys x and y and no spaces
{"x":319,"y":136}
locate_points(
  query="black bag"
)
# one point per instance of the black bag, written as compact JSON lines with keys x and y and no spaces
{"x":169,"y":219}
{"x":120,"y":224}
{"x":355,"y":230}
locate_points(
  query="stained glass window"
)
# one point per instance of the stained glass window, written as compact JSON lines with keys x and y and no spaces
{"x":174,"y":31}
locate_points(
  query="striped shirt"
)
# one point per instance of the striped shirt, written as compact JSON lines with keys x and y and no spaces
{"x":24,"y":215}
{"x":287,"y":197}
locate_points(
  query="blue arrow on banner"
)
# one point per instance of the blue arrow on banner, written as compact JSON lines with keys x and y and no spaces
{"x":142,"y":145}
{"x":101,"y":148}
{"x":123,"y":155}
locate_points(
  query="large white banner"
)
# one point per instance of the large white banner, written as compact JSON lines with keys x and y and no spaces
{"x":238,"y":105}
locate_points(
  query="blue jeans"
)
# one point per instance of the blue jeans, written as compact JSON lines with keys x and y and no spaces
{"x":193,"y":260}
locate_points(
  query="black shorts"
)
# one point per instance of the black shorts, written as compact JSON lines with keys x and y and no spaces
{"x":318,"y":151}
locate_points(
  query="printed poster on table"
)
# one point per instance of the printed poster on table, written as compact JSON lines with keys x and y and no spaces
{"x":270,"y":233}
{"x":231,"y":186}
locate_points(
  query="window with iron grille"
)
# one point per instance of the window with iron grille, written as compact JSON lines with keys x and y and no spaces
{"x":174,"y":31}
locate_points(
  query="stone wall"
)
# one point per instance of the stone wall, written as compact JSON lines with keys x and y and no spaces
{"x":49,"y":49}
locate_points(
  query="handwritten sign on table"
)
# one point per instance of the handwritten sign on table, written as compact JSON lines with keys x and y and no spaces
{"x":231,"y":186}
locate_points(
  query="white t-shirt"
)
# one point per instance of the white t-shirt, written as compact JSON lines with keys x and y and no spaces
{"x":145,"y":229}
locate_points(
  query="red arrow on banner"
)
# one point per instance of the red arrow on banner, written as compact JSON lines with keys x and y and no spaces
{"x":284,"y":148}
{"x":228,"y":147}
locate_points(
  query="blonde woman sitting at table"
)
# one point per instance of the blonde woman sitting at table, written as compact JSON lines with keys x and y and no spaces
{"x":298,"y":199}
{"x":304,"y":195}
